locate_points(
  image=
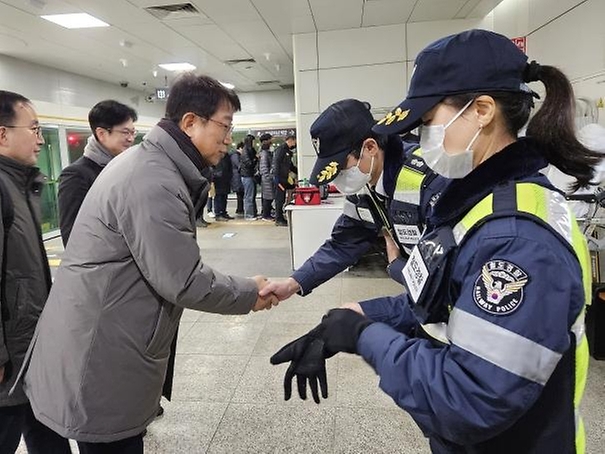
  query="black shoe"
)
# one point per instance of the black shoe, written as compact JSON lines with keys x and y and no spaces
{"x":281,"y":223}
{"x":222,"y":218}
{"x":201,"y":223}
{"x":160,"y":412}
{"x":227,"y":216}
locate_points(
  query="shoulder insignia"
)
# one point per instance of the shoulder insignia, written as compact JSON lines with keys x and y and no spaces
{"x":327,"y":172}
{"x":499,"y":288}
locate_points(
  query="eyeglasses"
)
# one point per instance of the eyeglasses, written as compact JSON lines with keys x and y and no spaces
{"x":124,"y":132}
{"x":36,"y":130}
{"x":228,"y":128}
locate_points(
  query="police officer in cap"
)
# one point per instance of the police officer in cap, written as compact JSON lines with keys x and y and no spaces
{"x":387,"y":187}
{"x":486,"y":350}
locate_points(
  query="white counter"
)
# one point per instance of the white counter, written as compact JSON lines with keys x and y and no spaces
{"x":310,"y":226}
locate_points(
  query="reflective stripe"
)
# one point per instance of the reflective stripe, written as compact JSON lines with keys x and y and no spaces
{"x":349,"y":209}
{"x":501,"y":347}
{"x":437,"y":331}
{"x":483,"y":209}
{"x":409,"y":182}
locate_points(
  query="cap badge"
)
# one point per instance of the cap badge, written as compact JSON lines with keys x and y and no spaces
{"x":396,"y":115}
{"x":327,"y":172}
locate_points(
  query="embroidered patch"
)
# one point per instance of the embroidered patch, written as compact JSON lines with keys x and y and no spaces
{"x":396,"y":115}
{"x":499,"y":288}
{"x":327,"y":172}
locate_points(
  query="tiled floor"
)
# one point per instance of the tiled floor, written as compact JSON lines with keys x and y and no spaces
{"x":228,"y":398}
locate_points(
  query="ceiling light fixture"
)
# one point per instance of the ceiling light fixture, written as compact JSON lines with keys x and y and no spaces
{"x":177,"y":66}
{"x":228,"y":85}
{"x":75,"y":20}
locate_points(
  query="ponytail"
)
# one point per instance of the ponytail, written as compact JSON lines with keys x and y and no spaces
{"x":553,"y":126}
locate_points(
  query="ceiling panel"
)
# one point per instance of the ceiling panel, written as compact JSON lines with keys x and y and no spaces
{"x":215,"y":41}
{"x":429,"y":10}
{"x":336,"y":14}
{"x":227,"y":10}
{"x":387,"y":12}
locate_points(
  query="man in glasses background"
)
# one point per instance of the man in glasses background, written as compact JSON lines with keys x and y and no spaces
{"x":112,"y":126}
{"x":25,"y":279}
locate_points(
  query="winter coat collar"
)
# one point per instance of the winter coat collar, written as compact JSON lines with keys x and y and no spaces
{"x":518,"y":161}
{"x":23,"y":176}
{"x":97,"y":152}
{"x":194,"y":180}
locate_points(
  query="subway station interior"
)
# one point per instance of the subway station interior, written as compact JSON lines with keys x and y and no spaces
{"x":287,"y":61}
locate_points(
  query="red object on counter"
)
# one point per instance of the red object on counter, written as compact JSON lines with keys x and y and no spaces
{"x":307,"y":196}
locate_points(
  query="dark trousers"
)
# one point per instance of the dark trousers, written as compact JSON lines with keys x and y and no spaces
{"x":240,"y":202}
{"x":280,"y":199}
{"x":267,"y":208}
{"x":20,"y":419}
{"x":220,"y":204}
{"x":132,"y":445}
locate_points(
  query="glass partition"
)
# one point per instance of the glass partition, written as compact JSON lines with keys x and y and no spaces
{"x":49,"y":162}
{"x":76,"y":141}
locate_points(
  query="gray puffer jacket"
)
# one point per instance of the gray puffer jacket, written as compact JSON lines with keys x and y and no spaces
{"x":131,"y":265}
{"x":27,"y":279}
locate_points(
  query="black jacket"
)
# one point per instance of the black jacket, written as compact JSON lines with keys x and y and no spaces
{"x":26,"y":281}
{"x":283,"y":165}
{"x":74,"y":183}
{"x":249,"y":162}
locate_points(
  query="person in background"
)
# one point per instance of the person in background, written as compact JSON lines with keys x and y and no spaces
{"x":112,"y":126}
{"x":487,"y":350}
{"x":266,"y":172}
{"x":248,"y":169}
{"x":236,"y":179}
{"x":25,"y":280}
{"x":131,"y":266}
{"x":283,"y":169}
{"x":223,"y":174}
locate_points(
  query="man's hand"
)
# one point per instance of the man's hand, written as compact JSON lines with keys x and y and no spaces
{"x":281,"y":289}
{"x":268,"y":300}
{"x":307,"y":363}
{"x":392,"y":249}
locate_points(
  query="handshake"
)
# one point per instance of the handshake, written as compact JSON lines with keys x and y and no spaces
{"x":265,"y":299}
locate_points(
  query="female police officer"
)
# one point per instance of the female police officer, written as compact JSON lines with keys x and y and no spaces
{"x":486,"y":351}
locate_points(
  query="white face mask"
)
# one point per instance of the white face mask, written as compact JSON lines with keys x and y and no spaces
{"x":450,"y":165}
{"x":351,"y":181}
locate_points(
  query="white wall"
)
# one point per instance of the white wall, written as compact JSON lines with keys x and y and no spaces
{"x":65,"y":98}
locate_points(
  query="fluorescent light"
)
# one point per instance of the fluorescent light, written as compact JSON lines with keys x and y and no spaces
{"x":76,"y":20}
{"x":177,"y":66}
{"x":228,"y":85}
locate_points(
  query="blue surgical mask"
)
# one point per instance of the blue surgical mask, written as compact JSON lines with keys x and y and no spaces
{"x":351,"y":181}
{"x":450,"y":165}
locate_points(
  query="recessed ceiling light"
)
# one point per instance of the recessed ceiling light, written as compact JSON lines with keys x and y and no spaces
{"x":76,"y":20}
{"x":228,"y":85}
{"x":177,"y":66}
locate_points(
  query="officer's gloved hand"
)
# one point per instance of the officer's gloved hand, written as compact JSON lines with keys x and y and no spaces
{"x":307,"y":358}
{"x":340,"y":330}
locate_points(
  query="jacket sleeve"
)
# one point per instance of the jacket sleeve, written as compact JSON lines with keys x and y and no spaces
{"x":495,"y":366}
{"x":4,"y":357}
{"x":72,"y":191}
{"x":155,"y":221}
{"x":350,"y":239}
{"x":394,"y":311}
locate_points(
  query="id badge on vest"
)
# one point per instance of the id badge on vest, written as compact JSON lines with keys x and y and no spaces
{"x":425,"y":274}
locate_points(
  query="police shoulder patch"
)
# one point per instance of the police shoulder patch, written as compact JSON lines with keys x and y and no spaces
{"x":499,"y":288}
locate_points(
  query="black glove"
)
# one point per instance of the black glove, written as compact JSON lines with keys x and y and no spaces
{"x":341,"y":329}
{"x":308,"y":363}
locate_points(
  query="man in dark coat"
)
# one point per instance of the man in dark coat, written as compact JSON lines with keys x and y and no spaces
{"x":265,"y":166}
{"x":236,"y":179}
{"x":112,"y":126}
{"x":283,"y":167}
{"x":25,"y":279}
{"x":222,"y":174}
{"x":248,"y":169}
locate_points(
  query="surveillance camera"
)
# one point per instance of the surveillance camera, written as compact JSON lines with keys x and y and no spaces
{"x":144,"y":84}
{"x":124,"y":84}
{"x":149,"y":98}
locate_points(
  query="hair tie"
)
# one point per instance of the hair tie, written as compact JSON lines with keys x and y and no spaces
{"x":532,"y":72}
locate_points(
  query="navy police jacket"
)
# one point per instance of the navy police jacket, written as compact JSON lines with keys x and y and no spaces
{"x":399,"y":202}
{"x":503,"y":376}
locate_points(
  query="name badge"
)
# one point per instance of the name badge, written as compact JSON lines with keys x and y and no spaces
{"x":407,"y":234}
{"x":415,"y":274}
